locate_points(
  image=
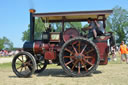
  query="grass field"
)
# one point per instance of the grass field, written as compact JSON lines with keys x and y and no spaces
{"x":112,"y":74}
{"x":5,"y":65}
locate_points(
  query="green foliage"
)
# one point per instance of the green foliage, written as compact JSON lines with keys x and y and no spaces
{"x":1,"y":43}
{"x":26,"y":35}
{"x":40,"y":27}
{"x":118,"y":23}
{"x":5,"y":65}
{"x":5,"y":43}
{"x":76,"y":25}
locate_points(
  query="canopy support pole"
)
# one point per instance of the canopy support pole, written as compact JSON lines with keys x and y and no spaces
{"x":63,"y":19}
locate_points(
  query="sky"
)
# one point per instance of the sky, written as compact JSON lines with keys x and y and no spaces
{"x":14,"y":14}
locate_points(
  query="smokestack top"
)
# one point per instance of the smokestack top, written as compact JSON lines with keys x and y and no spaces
{"x":32,"y":10}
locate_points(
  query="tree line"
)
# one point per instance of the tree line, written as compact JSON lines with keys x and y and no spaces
{"x":6,"y":44}
{"x":118,"y":23}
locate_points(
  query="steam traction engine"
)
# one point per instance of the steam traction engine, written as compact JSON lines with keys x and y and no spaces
{"x":77,"y":55}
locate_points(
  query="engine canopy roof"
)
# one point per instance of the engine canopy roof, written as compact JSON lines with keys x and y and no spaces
{"x":73,"y":16}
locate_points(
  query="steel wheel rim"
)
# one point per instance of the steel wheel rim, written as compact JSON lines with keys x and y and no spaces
{"x":23,"y":64}
{"x":76,"y":64}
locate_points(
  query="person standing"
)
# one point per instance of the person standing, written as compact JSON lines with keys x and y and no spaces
{"x":113,"y":52}
{"x":124,"y":52}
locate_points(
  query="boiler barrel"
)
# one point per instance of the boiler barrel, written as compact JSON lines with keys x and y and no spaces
{"x":28,"y":46}
{"x":36,"y":47}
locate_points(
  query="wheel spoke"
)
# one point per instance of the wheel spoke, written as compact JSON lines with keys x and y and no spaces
{"x":83,"y":49}
{"x":84,"y":66}
{"x":21,"y":69}
{"x":88,"y":62}
{"x":89,"y":51}
{"x":88,"y":57}
{"x":79,"y":68}
{"x":74,"y":64}
{"x":20,"y":60}
{"x":25,"y":67}
{"x":68,"y":62}
{"x":69,"y":51}
{"x":18,"y":63}
{"x":74,"y":49}
{"x":69,"y":56}
{"x":74,"y":43}
{"x":28,"y":63}
{"x":40,"y":66}
{"x":18,"y":67}
{"x":79,"y":46}
{"x":37,"y":66}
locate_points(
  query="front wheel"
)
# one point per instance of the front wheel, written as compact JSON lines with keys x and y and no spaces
{"x":23,"y":64}
{"x":79,"y":57}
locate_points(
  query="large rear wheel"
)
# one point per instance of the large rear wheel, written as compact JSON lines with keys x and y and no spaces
{"x":23,"y":64}
{"x":79,"y":57}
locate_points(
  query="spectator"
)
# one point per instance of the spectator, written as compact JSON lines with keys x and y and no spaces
{"x":113,"y":52}
{"x":11,"y":53}
{"x":2,"y":53}
{"x":16,"y":52}
{"x":124,"y":52}
{"x":5,"y":53}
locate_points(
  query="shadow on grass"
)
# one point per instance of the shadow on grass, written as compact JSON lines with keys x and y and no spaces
{"x":56,"y":72}
{"x":19,"y":77}
{"x":97,"y":72}
{"x":13,"y":77}
{"x":47,"y":72}
{"x":53,"y":72}
{"x":60,"y":73}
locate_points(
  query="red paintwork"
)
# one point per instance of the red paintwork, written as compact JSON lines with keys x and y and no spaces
{"x":39,"y":47}
{"x":102,"y":38}
{"x":45,"y":49}
{"x":93,"y":60}
{"x":103,"y":50}
{"x":49,"y":50}
{"x":50,"y":55}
